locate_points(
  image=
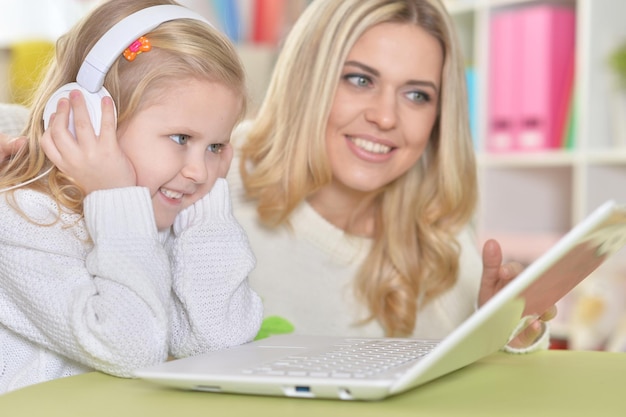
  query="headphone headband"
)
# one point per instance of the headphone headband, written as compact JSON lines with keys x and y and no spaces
{"x":111,"y":45}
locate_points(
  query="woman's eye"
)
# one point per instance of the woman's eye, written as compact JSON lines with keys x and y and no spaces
{"x":358,"y":80}
{"x":216,"y":147}
{"x":180,"y":138}
{"x":418,"y":96}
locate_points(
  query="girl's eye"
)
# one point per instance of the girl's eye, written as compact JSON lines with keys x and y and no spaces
{"x":180,"y":138}
{"x":418,"y":96}
{"x":216,"y":147}
{"x":358,"y":80}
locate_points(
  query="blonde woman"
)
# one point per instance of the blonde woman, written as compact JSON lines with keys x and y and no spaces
{"x":357,"y":180}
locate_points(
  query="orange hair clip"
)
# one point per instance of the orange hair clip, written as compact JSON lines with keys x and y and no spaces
{"x":140,"y":45}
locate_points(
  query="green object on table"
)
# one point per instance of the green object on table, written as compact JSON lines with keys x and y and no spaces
{"x":274,"y":325}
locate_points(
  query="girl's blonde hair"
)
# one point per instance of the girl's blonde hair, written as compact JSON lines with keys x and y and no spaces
{"x":415,"y":255}
{"x":181,"y":49}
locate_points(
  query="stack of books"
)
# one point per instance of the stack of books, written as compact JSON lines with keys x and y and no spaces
{"x":263,"y":22}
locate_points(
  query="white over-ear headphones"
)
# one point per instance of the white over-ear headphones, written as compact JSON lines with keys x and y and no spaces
{"x":90,"y":78}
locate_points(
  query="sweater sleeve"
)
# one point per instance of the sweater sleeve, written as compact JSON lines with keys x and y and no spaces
{"x":541,"y":343}
{"x":102,"y":304}
{"x":127,"y":255}
{"x":214,"y":306}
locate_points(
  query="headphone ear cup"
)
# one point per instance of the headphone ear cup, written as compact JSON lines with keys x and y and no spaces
{"x":93,"y":101}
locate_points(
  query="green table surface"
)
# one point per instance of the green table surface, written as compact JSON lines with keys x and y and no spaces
{"x":550,"y":383}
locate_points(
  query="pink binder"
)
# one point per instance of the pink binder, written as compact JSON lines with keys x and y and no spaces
{"x":503,"y":90}
{"x":546,"y":60}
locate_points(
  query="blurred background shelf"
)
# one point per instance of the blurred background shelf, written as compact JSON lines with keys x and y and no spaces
{"x":529,"y":199}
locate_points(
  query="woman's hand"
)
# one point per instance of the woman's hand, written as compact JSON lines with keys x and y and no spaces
{"x":94,"y":162}
{"x":10,"y":146}
{"x":495,"y":277}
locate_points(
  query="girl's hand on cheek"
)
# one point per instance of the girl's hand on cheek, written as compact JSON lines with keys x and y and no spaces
{"x":94,"y":162}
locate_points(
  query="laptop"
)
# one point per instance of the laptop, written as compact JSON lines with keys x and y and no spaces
{"x":275,"y":366}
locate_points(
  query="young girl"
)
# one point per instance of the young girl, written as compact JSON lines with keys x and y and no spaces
{"x":126,"y":252}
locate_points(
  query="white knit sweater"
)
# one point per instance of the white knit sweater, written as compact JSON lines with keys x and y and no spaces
{"x":127,"y":300}
{"x":305,"y":275}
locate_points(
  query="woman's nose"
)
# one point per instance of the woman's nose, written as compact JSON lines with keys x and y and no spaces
{"x":383,"y":111}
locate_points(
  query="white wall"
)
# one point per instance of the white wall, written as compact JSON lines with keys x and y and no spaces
{"x":39,"y":19}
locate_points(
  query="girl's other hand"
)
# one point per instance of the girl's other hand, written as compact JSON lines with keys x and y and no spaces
{"x":10,"y":146}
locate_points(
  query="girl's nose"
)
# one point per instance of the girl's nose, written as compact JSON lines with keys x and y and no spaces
{"x":195,"y":169}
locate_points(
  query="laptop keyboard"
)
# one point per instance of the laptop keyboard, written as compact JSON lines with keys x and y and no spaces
{"x":354,"y":359}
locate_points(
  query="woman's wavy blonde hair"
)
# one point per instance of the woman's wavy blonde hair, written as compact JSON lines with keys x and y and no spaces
{"x":181,"y":49}
{"x":415,"y":255}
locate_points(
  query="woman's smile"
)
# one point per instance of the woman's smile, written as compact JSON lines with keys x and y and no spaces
{"x":369,"y":146}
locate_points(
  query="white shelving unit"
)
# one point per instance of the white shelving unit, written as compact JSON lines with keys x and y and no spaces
{"x":546,"y":193}
{"x":528,"y":200}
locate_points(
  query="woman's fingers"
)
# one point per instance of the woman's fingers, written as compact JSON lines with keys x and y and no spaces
{"x":549,"y":314}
